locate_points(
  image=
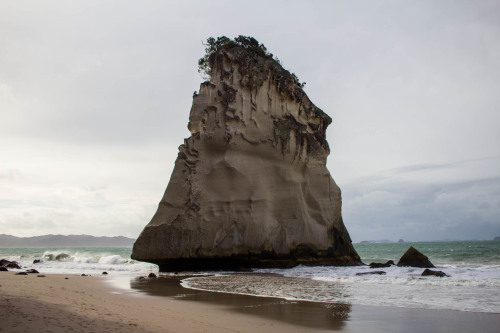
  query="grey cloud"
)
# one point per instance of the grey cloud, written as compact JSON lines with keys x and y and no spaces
{"x":388,"y":208}
{"x":97,"y":93}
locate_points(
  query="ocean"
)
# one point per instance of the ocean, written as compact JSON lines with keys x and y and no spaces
{"x":76,"y":260}
{"x":473,"y":266}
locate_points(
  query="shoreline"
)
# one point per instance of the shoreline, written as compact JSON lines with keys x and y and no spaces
{"x":99,"y":304}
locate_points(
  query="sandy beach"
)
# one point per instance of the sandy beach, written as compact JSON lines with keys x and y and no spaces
{"x":55,"y":304}
{"x":98,"y":304}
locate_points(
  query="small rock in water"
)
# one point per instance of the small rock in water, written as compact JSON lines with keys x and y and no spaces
{"x":372,"y":273}
{"x":37,"y":261}
{"x":22,"y":273}
{"x":151,"y":275}
{"x":3,"y":269}
{"x":32,"y":271}
{"x":428,"y":272}
{"x":104,"y":273}
{"x":381,"y":265}
{"x":413,"y":258}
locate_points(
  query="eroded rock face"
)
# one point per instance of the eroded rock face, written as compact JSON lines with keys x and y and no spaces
{"x":250,"y":186}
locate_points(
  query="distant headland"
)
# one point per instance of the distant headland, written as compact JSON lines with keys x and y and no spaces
{"x":65,"y":240}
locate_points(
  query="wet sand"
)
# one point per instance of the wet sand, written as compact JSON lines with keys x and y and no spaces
{"x":326,"y":317}
{"x":118,"y":304}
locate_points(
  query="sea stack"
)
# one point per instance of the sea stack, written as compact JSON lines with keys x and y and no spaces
{"x":250,"y":187}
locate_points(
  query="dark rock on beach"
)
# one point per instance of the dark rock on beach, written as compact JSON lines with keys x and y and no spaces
{"x":244,"y":269}
{"x":3,"y":269}
{"x":22,"y":273}
{"x":13,"y":264}
{"x":151,"y":275}
{"x":9,"y":264}
{"x":429,"y":272}
{"x":413,"y":258}
{"x":372,"y":273}
{"x":32,"y":271}
{"x":104,"y":273}
{"x":381,"y":265}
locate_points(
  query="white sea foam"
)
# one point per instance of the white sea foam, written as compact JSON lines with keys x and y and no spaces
{"x":470,"y":289}
{"x":90,"y":261}
{"x":113,"y":260}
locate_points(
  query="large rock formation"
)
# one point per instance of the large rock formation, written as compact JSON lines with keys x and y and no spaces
{"x":250,"y":187}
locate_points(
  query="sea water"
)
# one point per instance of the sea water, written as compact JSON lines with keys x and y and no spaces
{"x":473,"y":266}
{"x":473,"y":285}
{"x":78,"y":260}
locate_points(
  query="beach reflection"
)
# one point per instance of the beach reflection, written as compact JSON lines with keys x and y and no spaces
{"x":307,"y":314}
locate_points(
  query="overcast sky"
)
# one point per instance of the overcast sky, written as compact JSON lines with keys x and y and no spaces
{"x":95,"y":98}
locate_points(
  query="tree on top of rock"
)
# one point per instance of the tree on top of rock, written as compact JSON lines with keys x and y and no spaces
{"x":212,"y":46}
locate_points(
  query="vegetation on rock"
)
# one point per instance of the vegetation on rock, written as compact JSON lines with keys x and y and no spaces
{"x":212,"y":46}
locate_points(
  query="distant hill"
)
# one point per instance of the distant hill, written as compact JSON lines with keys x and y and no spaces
{"x":376,"y":241}
{"x":66,"y":241}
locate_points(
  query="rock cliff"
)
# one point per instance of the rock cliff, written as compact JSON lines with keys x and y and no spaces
{"x":250,"y":187}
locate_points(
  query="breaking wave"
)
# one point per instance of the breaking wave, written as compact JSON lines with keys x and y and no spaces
{"x":77,"y":260}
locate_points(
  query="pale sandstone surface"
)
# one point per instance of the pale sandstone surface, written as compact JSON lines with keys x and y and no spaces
{"x":250,"y":186}
{"x":89,"y":304}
